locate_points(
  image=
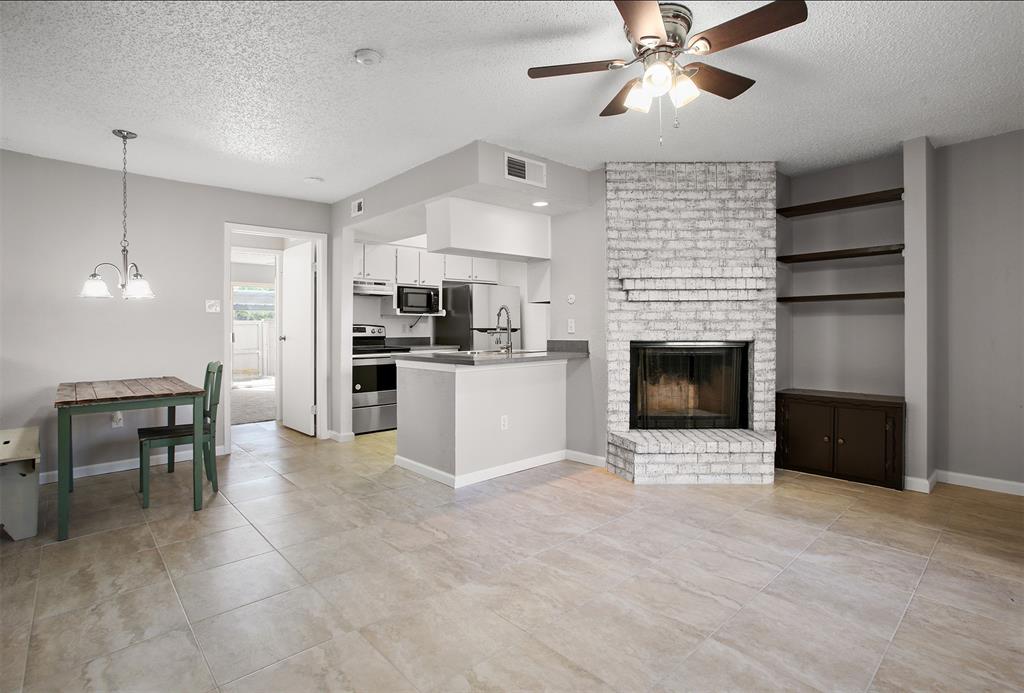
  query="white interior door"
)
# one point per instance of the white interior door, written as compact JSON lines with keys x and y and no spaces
{"x":298,"y":339}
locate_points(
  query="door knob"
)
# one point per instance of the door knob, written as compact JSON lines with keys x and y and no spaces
{"x":826,"y":439}
{"x":841,"y":441}
{"x":282,"y":338}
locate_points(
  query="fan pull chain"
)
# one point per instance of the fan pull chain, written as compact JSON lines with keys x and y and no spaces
{"x":661,"y":141}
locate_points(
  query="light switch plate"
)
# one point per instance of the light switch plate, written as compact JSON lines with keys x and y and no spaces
{"x":571,"y":326}
{"x":212,"y":305}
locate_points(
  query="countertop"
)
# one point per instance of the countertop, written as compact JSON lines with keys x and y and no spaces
{"x":490,"y":358}
{"x":435,"y":347}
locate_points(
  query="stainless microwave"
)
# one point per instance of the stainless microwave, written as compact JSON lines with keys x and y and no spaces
{"x":418,"y":299}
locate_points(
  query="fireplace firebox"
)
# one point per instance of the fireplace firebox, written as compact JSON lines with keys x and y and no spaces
{"x":688,"y":385}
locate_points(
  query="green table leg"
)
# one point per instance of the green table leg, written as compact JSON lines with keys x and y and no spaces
{"x":71,"y":461}
{"x":63,"y":472}
{"x":170,"y":449}
{"x":197,"y":452}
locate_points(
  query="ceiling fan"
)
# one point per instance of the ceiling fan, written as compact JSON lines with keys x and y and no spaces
{"x":658,"y":34}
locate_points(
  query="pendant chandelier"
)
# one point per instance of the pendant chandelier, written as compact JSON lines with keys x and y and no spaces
{"x":129,"y":279}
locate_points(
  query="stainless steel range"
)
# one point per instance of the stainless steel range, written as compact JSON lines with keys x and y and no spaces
{"x":374,"y":393}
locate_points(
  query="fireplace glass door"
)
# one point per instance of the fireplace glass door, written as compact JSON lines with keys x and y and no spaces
{"x":688,"y":385}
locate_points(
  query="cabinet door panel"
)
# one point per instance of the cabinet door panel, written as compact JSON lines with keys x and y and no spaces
{"x":809,"y":436}
{"x":408,"y":265}
{"x":379,"y":262}
{"x":485,"y":270}
{"x":860,"y":443}
{"x":458,"y":267}
{"x":357,"y":260}
{"x":431,"y":269}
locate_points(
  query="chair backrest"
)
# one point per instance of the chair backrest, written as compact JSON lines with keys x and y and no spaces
{"x":214,"y":370}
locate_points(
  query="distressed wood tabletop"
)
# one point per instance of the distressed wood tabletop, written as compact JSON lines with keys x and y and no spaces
{"x":99,"y":391}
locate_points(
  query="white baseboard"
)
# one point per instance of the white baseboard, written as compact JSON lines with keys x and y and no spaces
{"x":462,"y":480}
{"x":585,"y":458}
{"x":983,"y":482}
{"x":341,"y":437}
{"x":180,"y":452}
{"x":919,"y":484}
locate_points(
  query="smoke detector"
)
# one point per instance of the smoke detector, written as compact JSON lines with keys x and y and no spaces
{"x":367,"y":57}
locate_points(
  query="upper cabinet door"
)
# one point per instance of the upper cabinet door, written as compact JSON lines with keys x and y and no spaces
{"x":431,"y":268}
{"x":458,"y":267}
{"x":357,"y":260}
{"x":408,"y":265}
{"x":485,"y":270}
{"x":379,"y":262}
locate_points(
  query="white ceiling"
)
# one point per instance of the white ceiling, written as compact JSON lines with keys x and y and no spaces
{"x":257,"y":96}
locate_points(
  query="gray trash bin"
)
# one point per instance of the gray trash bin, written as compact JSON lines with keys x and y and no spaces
{"x":19,"y":482}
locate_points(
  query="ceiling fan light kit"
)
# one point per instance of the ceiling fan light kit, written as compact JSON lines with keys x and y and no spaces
{"x":659,"y":34}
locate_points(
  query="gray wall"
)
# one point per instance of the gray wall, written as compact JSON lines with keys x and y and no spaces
{"x":59,"y":219}
{"x":855,"y":346}
{"x":980,"y":292}
{"x":578,"y":266}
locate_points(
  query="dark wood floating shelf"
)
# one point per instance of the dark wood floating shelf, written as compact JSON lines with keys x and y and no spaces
{"x":869,"y":251}
{"x":871,"y":198}
{"x":841,"y":297}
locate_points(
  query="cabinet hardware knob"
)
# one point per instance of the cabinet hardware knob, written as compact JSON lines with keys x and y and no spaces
{"x":841,"y":441}
{"x":826,"y":439}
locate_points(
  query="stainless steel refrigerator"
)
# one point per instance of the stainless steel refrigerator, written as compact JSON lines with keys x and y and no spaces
{"x":472,"y":315}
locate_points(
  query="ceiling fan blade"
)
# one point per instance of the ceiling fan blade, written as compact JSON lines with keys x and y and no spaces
{"x":760,"y":22}
{"x":617,"y":106}
{"x":573,"y":68}
{"x":643,"y":18}
{"x":719,"y":82}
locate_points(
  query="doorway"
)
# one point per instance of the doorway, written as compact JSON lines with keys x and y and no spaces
{"x":255,"y":279}
{"x":275,"y":329}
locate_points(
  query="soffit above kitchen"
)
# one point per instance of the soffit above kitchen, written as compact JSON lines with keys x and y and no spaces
{"x":480,"y":172}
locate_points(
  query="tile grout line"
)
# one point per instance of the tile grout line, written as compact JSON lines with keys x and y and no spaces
{"x":899,"y":624}
{"x":32,"y":620}
{"x":727,"y":621}
{"x":181,"y":605}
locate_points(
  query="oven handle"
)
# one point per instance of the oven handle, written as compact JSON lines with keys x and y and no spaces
{"x":375,"y":361}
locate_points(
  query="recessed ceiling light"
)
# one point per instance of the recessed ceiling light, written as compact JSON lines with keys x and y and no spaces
{"x":367,"y":56}
{"x":313,"y":179}
{"x":540,"y":203}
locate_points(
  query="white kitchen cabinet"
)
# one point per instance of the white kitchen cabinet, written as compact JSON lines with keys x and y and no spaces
{"x":538,"y":281}
{"x":431,"y":268}
{"x":407,"y":265}
{"x":379,"y":262}
{"x":485,"y":270}
{"x":458,"y":267}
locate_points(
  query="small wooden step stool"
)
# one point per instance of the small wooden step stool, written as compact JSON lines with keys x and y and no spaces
{"x":19,"y":482}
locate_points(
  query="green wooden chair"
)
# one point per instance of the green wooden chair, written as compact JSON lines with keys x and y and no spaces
{"x":171,"y":435}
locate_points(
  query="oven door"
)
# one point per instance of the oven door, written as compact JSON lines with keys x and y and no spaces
{"x":373,"y":381}
{"x":416,"y":300}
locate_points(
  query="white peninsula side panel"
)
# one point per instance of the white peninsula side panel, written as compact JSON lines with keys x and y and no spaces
{"x":450,"y":419}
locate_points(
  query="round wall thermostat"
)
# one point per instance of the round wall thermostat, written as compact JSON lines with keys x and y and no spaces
{"x":571,"y":299}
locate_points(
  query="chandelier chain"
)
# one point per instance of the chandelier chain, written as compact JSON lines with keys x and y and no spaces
{"x":124,"y":193}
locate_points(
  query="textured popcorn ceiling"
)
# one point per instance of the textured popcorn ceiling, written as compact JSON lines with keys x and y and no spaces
{"x":257,"y":96}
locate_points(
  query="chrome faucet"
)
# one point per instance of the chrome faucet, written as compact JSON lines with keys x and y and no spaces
{"x":508,"y":328}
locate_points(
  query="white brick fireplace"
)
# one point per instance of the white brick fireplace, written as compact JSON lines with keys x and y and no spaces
{"x":691,"y":257}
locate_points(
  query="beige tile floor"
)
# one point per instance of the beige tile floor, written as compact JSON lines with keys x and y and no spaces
{"x":320,"y":566}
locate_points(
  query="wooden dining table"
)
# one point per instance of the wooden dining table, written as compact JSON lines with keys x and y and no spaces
{"x":98,"y":396}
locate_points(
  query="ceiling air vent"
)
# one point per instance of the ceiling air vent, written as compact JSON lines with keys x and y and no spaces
{"x":526,"y":170}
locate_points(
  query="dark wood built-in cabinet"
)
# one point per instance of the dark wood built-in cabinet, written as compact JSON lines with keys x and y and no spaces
{"x":850,"y":436}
